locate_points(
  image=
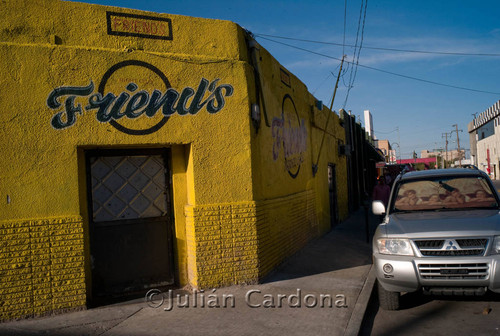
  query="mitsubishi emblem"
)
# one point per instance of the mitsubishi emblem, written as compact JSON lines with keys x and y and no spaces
{"x":451,"y":245}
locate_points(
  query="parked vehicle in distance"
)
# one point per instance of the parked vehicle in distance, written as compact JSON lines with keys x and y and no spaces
{"x":470,"y":166}
{"x":440,"y":234}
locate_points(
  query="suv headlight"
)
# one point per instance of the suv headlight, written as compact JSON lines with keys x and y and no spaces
{"x":495,"y":249}
{"x":394,"y":246}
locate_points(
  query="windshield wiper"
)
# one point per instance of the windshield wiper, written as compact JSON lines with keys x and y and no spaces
{"x":479,"y":208}
{"x":427,"y":210}
{"x":445,"y":209}
{"x":463,"y":209}
{"x":404,"y":211}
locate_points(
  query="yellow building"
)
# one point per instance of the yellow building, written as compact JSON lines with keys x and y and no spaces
{"x":141,"y":150}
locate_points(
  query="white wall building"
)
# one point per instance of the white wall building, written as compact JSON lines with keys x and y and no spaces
{"x":485,"y":141}
{"x":369,"y":123}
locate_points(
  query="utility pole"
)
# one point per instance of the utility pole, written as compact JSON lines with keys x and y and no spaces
{"x":399,"y":151}
{"x":399,"y":141}
{"x":445,"y":135}
{"x":315,"y":166}
{"x":439,"y":152}
{"x":458,"y":145}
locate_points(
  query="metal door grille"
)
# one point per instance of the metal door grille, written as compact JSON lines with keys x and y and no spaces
{"x":128,"y":187}
{"x":130,"y":227}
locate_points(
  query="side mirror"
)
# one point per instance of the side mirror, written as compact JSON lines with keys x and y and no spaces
{"x":378,"y":208}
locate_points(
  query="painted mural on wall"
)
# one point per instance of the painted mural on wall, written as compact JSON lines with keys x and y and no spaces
{"x":145,"y":93}
{"x":290,"y":137}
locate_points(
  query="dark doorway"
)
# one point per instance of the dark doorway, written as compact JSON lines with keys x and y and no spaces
{"x":332,"y":190}
{"x":130,"y":222}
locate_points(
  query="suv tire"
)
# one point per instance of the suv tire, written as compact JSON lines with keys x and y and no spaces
{"x":388,"y":300}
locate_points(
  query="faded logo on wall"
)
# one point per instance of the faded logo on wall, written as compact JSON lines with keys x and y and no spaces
{"x":290,"y":134}
{"x":130,"y":90}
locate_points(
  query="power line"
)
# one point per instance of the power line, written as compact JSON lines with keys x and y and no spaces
{"x":380,"y":48}
{"x":383,"y":71}
{"x":351,"y":69}
{"x":345,"y":20}
{"x":353,"y":78}
{"x":323,"y":82}
{"x":379,"y":132}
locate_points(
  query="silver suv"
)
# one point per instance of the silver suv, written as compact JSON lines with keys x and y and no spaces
{"x":440,"y":233}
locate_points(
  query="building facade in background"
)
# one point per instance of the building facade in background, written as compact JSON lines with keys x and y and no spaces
{"x":448,"y":156}
{"x":387,"y":150}
{"x":369,"y":123}
{"x":144,"y":150}
{"x":362,"y":158}
{"x":484,"y":138}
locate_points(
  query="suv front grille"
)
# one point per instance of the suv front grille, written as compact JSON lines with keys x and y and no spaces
{"x":452,"y":247}
{"x":472,"y":242}
{"x":473,"y":252}
{"x":429,"y":244}
{"x":471,"y":271}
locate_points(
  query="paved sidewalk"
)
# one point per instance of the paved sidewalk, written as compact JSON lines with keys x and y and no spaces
{"x":337,"y":264}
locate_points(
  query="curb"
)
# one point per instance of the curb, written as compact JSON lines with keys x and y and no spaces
{"x":354,"y":324}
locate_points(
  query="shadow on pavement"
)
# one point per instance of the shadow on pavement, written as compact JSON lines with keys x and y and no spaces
{"x":344,"y":247}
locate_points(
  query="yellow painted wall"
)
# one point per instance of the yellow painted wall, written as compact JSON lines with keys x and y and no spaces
{"x":46,"y":45}
{"x":292,"y":203}
{"x":238,"y":212}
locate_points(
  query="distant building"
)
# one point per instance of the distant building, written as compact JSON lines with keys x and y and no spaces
{"x":450,"y":155}
{"x":369,"y":124}
{"x":484,"y":137}
{"x":385,"y":147}
{"x":465,"y":162}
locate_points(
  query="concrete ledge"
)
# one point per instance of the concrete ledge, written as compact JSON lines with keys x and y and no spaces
{"x":354,"y":324}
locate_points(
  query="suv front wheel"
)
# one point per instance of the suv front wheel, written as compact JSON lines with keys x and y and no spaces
{"x":388,"y":300}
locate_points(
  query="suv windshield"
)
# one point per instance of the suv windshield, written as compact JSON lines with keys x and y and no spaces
{"x":443,"y":193}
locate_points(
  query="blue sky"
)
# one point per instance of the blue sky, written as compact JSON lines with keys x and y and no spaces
{"x":421,"y":111}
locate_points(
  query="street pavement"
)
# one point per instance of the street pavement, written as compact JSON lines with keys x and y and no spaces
{"x":324,"y":289}
{"x":437,"y":315}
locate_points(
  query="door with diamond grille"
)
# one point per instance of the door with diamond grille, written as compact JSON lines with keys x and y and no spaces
{"x":130,"y":221}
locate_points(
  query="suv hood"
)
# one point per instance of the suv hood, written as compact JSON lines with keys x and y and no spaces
{"x":444,"y":224}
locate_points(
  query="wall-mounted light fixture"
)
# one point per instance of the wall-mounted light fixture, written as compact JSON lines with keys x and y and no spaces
{"x":255,"y":115}
{"x":319,"y":105}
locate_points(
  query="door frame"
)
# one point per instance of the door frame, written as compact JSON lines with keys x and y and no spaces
{"x":333,"y":198}
{"x":165,"y":152}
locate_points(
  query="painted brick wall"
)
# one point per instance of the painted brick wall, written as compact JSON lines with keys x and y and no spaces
{"x":222,"y":244}
{"x":41,"y":266}
{"x":242,"y":242}
{"x":285,"y":225}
